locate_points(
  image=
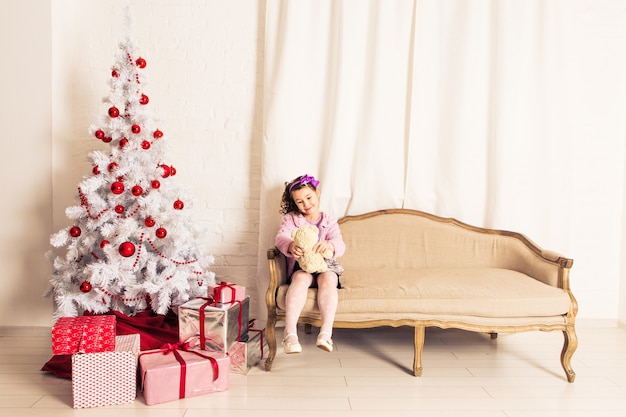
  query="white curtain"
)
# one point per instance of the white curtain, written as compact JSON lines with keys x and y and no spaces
{"x":461,"y":108}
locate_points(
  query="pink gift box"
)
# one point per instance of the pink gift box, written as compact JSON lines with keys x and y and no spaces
{"x":106,"y":378}
{"x":171,"y":374}
{"x":226,"y":292}
{"x":83,"y":334}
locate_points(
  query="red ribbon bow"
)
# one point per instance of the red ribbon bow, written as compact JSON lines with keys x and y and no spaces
{"x":217,"y":292}
{"x":172,"y":347}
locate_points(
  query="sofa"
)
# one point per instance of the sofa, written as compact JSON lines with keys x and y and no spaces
{"x":410,"y":268}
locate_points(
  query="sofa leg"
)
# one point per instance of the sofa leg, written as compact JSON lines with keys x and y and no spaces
{"x":308,"y":329}
{"x":270,"y":336}
{"x":569,"y":347}
{"x":420,"y":335}
{"x":493,"y":335}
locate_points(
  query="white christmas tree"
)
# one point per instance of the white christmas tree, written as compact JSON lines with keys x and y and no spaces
{"x":133,"y":244}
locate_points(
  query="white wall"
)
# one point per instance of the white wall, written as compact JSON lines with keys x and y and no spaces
{"x":205,"y":71}
{"x":599,"y":100}
{"x":25,"y":132}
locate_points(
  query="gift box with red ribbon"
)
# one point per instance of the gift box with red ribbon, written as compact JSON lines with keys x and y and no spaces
{"x":83,"y":334}
{"x":209,"y":325}
{"x":177,"y":371}
{"x":106,"y":378}
{"x":226,"y":292}
{"x":245,"y":355}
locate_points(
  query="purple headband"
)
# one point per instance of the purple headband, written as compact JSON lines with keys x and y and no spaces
{"x":304,"y":180}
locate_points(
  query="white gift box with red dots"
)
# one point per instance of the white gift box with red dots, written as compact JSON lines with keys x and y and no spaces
{"x":106,"y":378}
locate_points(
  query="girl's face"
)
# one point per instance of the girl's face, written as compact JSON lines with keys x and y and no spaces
{"x":308,"y":202}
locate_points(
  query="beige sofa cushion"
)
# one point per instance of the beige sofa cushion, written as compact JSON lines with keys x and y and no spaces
{"x":479,"y":292}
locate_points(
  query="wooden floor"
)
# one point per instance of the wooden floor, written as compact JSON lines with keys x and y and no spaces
{"x":368,"y":374}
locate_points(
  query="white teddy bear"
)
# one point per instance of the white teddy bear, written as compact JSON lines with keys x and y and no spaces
{"x":306,"y":237}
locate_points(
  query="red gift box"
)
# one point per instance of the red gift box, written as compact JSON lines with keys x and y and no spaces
{"x":83,"y":334}
{"x":176,"y":372}
{"x":226,"y":292}
{"x":106,"y":378}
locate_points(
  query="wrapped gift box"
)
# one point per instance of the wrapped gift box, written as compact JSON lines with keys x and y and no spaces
{"x":245,"y":355}
{"x":213,"y":326}
{"x":178,"y":372}
{"x":226,"y":292}
{"x":83,"y":334}
{"x":106,"y":378}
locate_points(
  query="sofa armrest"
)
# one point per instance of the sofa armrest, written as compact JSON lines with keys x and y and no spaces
{"x":554,"y":268}
{"x":278,"y":275}
{"x":559,"y":278}
{"x":558,"y":258}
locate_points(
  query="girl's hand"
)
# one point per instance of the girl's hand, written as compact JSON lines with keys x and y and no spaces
{"x":295,"y":250}
{"x":323,"y":247}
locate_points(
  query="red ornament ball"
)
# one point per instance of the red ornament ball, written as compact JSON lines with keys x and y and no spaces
{"x":115,"y":74}
{"x":107,"y":139}
{"x":119,"y":209}
{"x":157,"y":134}
{"x":75,"y":231}
{"x":141,"y":63}
{"x":172,"y":171}
{"x":135,"y":129}
{"x":85,"y":286}
{"x":127,"y":249}
{"x":149,"y":222}
{"x":112,"y":166}
{"x":179,"y":205}
{"x":166,"y":171}
{"x":104,"y":243}
{"x":155,"y":184}
{"x":161,"y":232}
{"x":95,"y":170}
{"x":144,"y":99}
{"x":114,"y":111}
{"x":123,"y":143}
{"x":99,"y":134}
{"x":145,"y":145}
{"x":136,"y":190}
{"x":117,"y":187}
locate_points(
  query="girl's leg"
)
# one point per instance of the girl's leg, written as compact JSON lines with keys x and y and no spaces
{"x":295,"y":300}
{"x":327,"y":298}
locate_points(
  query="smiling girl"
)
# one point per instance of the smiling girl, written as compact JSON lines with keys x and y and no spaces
{"x":299,"y":207}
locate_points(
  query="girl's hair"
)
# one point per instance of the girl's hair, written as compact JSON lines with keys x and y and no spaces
{"x":287,"y":205}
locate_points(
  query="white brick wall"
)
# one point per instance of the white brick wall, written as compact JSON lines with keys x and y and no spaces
{"x":202,"y":73}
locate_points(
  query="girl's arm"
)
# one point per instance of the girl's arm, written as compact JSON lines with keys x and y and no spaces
{"x":333,"y":235}
{"x":283,"y":236}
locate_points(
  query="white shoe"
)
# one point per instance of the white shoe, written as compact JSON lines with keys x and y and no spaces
{"x":291,"y":347}
{"x":324,"y":342}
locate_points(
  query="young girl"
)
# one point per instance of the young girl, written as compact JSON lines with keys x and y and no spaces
{"x":300,"y":206}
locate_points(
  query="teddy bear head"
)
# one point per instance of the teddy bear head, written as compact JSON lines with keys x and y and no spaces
{"x":305,"y":237}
